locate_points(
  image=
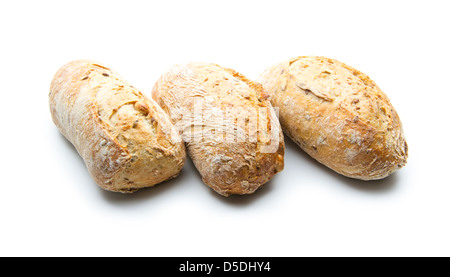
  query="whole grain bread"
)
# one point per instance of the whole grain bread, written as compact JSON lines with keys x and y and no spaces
{"x":230,"y":128}
{"x":126,"y":140}
{"x":338,"y":115}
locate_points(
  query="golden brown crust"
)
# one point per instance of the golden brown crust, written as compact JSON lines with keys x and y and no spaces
{"x":338,"y":115}
{"x":231,"y":131}
{"x":126,"y":140}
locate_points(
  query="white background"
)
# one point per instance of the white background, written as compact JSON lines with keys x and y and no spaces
{"x":50,"y":206}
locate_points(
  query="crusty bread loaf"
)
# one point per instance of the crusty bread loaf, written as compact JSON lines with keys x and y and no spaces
{"x":126,"y":140}
{"x":230,"y":128}
{"x":338,"y":116}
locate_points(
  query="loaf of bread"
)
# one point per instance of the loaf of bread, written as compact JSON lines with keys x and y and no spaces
{"x":126,"y":140}
{"x":338,"y":116}
{"x":230,"y":129}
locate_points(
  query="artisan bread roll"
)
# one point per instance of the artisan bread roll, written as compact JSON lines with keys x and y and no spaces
{"x":126,"y":140}
{"x":231,"y":130}
{"x":338,"y":116}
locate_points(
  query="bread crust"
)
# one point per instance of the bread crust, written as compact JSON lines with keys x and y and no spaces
{"x":230,"y":128}
{"x":125,"y":139}
{"x":338,"y":115}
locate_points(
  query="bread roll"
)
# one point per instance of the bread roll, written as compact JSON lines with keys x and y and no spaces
{"x":126,"y":140}
{"x":231,"y":131}
{"x":338,"y":116}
